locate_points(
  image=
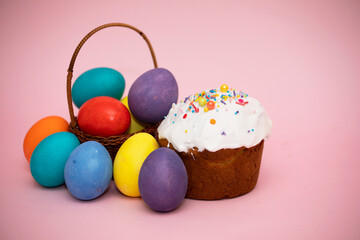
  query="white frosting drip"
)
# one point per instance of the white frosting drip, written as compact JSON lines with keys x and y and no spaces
{"x":236,"y":125}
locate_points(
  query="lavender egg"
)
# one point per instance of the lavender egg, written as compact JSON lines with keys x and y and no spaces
{"x":152,"y":94}
{"x":163,"y":180}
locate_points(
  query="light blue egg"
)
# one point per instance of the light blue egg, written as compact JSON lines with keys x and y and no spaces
{"x":97,"y":82}
{"x":49,"y":158}
{"x":88,"y":171}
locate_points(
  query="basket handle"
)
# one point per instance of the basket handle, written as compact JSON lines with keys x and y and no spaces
{"x":77,"y":50}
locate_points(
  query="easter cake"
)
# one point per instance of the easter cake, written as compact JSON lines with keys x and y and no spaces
{"x":219,"y":134}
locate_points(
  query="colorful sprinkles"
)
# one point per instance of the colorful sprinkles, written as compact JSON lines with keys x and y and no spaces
{"x":211,"y":99}
{"x":241,"y":102}
{"x":210,"y":105}
{"x":207,"y":101}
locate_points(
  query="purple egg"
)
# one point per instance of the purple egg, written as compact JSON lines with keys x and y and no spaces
{"x":152,"y":95}
{"x":163,"y":180}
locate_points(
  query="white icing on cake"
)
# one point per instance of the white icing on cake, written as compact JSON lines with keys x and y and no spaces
{"x":240,"y":121}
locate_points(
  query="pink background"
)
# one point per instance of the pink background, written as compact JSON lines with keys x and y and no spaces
{"x":301,"y":59}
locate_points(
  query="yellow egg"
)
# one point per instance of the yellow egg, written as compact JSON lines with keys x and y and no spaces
{"x":128,"y":162}
{"x":135,"y":124}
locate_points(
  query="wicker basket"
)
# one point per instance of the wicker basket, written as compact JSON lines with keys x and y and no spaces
{"x":112,"y":143}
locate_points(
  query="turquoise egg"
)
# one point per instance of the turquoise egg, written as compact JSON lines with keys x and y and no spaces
{"x":48,"y":160}
{"x":97,"y":82}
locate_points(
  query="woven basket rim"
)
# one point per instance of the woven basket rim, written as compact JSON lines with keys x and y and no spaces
{"x":75,"y":126}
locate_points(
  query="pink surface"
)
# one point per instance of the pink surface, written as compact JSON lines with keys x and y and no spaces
{"x":301,"y":59}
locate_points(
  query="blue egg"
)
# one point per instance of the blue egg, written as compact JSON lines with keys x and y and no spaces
{"x":88,"y":171}
{"x":48,"y":160}
{"x":97,"y":82}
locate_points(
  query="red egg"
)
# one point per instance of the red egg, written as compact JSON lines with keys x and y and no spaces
{"x":104,"y":116}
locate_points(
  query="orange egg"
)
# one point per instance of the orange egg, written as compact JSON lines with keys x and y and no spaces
{"x":41,"y":130}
